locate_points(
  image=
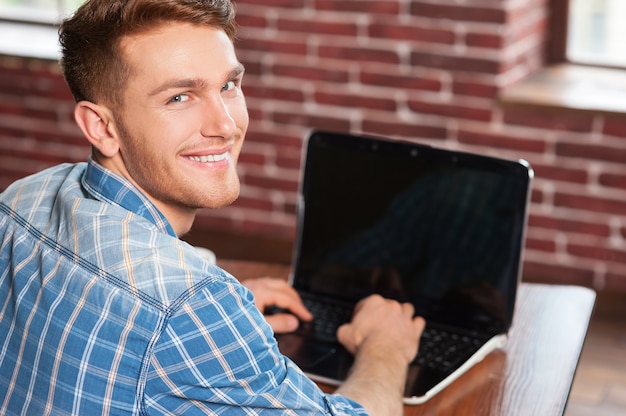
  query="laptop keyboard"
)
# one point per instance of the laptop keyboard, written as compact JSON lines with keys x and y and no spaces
{"x":328,"y":318}
{"x":439,"y":348}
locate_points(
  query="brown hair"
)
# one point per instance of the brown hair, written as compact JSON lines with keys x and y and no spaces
{"x":92,"y":62}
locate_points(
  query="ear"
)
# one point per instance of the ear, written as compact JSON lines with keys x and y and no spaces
{"x":96,"y":122}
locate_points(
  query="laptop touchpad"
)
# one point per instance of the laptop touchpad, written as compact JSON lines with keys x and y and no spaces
{"x":303,"y":352}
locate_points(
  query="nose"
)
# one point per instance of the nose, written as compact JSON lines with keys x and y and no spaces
{"x":217,"y":119}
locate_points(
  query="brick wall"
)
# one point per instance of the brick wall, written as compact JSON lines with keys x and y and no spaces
{"x":37,"y":127}
{"x":425,"y":70}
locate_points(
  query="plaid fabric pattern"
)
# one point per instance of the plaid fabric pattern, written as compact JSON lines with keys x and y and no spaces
{"x":103,"y":310}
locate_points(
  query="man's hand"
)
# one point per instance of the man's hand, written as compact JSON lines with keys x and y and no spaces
{"x":269,"y":292}
{"x":384,"y":337}
{"x":383,"y":322}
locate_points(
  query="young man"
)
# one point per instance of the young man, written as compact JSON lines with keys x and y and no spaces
{"x":103,"y":310}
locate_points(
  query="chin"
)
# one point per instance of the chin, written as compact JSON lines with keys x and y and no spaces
{"x":221,"y":199}
{"x":219,"y":204}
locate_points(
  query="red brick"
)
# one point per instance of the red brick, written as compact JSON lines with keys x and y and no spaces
{"x":455,"y":63}
{"x":398,"y":81}
{"x":262,"y":91}
{"x":593,"y":152}
{"x":288,"y":4}
{"x":264,"y":226}
{"x":313,"y":26}
{"x":292,"y":47}
{"x":548,"y":120}
{"x":14,"y":167}
{"x":537,"y":196}
{"x":559,"y":173}
{"x":613,"y":180}
{"x":614,"y":127}
{"x":253,"y":66}
{"x":527,"y":29}
{"x":281,"y":141}
{"x":249,"y":20}
{"x":557,"y":273}
{"x":248,"y":158}
{"x":546,"y":246}
{"x":310,"y":73}
{"x":520,"y":10}
{"x":40,"y":84}
{"x":290,"y":207}
{"x":458,"y":13}
{"x":597,"y":252}
{"x":262,"y":204}
{"x":210,"y":220}
{"x":396,"y":31}
{"x":6,"y":179}
{"x":615,"y":281}
{"x":268,"y":182}
{"x":412,"y":131}
{"x":68,"y":134}
{"x":529,"y":59}
{"x":311,"y":121}
{"x":501,"y":141}
{"x":590,"y":203}
{"x":374,"y":7}
{"x":10,"y":107}
{"x":352,"y":100}
{"x":44,"y":130}
{"x":484,"y":40}
{"x":23,"y":165}
{"x":293,"y":162}
{"x":10,"y":132}
{"x":49,"y":153}
{"x":474,"y":87}
{"x":569,"y":225}
{"x":359,"y":54}
{"x":255,"y":114}
{"x":450,"y":110}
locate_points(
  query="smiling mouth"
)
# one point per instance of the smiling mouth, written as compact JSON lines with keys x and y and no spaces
{"x":209,"y":158}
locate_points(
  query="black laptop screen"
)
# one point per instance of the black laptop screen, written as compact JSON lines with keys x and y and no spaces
{"x":441,"y":229}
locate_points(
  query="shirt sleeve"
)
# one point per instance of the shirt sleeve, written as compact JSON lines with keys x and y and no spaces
{"x":218,"y":355}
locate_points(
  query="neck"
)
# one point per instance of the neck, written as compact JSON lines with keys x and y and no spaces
{"x":180,"y":218}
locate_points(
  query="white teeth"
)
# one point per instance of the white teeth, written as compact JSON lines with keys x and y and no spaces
{"x":209,"y":158}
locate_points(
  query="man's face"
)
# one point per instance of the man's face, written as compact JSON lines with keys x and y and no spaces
{"x":183,"y":118}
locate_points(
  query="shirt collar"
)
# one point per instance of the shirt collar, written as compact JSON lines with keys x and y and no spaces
{"x":103,"y":184}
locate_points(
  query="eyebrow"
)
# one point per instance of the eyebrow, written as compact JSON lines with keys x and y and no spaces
{"x":193,"y":83}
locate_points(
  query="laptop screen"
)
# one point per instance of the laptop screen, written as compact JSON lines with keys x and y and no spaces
{"x":441,"y":229}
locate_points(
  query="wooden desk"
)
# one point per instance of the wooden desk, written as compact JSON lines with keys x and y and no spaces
{"x":531,"y":376}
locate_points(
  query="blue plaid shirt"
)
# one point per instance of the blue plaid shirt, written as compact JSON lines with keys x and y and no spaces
{"x":103,"y":310}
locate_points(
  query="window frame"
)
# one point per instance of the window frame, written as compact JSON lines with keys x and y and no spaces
{"x":553,"y":86}
{"x":556,"y":48}
{"x":35,"y":15}
{"x":39,"y":27}
{"x":556,"y":51}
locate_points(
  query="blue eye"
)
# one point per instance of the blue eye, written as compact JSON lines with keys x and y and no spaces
{"x":179,"y":98}
{"x":229,"y":86}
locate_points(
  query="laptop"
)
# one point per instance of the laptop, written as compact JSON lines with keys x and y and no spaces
{"x":441,"y":229}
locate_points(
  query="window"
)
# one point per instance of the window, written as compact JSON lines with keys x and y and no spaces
{"x":37,"y":11}
{"x":28,"y":27}
{"x":588,"y":32}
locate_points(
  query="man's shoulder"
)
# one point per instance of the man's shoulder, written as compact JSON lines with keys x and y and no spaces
{"x":102,"y":238}
{"x":45,"y":182}
{"x":32,"y":198}
{"x":137,"y":255}
{"x":154,"y":263}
